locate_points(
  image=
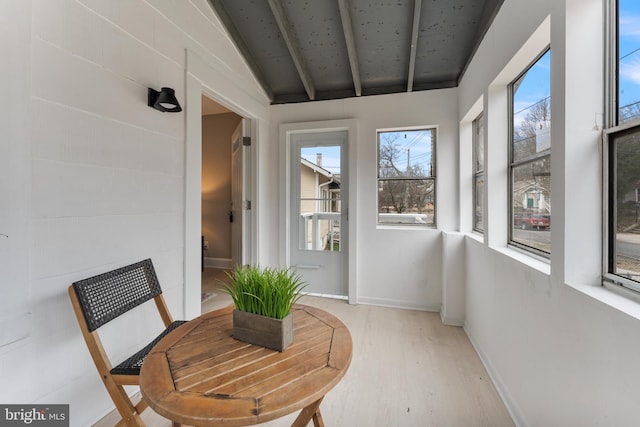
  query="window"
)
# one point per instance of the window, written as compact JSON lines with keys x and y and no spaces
{"x":530,"y":157}
{"x":622,"y":151}
{"x":628,"y":62}
{"x":478,"y":173}
{"x":406,"y":177}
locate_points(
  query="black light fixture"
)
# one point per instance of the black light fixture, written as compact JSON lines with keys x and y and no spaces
{"x":165,"y":100}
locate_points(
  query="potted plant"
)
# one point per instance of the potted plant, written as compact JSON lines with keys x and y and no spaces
{"x":264,"y":298}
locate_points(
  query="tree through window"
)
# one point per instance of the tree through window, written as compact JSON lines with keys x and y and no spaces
{"x":406,"y":177}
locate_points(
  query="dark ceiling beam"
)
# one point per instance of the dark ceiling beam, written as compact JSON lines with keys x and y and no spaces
{"x":367,"y":91}
{"x":417,"y":5}
{"x":294,"y":50}
{"x":241,"y":46}
{"x":349,"y":39}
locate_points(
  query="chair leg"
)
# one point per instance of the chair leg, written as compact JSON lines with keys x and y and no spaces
{"x":137,"y":420}
{"x":317,"y":419}
{"x":126,"y":409}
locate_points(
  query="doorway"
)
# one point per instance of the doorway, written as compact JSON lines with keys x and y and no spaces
{"x":223,"y":87}
{"x":223,"y":190}
{"x":319,"y":227}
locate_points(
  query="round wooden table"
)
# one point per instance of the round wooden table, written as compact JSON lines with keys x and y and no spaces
{"x":199,"y":375}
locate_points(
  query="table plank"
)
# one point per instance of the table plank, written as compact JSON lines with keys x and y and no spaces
{"x":215,"y":372}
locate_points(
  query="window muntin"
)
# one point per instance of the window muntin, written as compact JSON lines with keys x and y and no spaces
{"x":406,"y":177}
{"x":478,"y":174}
{"x":530,"y":157}
{"x":622,"y":262}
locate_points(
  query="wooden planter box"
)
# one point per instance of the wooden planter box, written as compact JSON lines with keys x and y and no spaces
{"x":276,"y":334}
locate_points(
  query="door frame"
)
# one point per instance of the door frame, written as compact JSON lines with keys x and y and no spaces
{"x":285,"y":132}
{"x":202,"y":78}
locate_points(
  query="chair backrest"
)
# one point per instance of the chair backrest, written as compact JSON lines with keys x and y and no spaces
{"x":106,"y":296}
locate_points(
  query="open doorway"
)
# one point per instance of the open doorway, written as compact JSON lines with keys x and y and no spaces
{"x":218,"y":127}
{"x":222,"y":87}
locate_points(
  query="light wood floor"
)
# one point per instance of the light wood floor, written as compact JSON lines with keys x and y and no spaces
{"x":408,"y":370}
{"x":211,"y":278}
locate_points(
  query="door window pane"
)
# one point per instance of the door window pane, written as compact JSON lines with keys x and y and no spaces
{"x":320,"y":203}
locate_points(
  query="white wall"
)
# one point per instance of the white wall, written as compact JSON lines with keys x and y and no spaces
{"x":15,"y":170}
{"x":396,"y":266}
{"x":101,"y":181}
{"x":559,"y":347}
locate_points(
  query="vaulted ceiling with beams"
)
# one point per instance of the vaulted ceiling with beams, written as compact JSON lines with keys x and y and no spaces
{"x":305,"y":50}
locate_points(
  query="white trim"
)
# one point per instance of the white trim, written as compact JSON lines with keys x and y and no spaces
{"x":531,"y":260}
{"x":340,"y":297}
{"x":508,"y":400}
{"x":466,"y":165}
{"x":193,"y":199}
{"x":497,"y":142}
{"x":224,"y":263}
{"x":394,"y":303}
{"x":612,"y":295}
{"x":203,"y":77}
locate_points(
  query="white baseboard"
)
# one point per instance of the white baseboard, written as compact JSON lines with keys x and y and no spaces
{"x":225,"y":263}
{"x":507,"y":399}
{"x":449,"y":320}
{"x":408,"y":305}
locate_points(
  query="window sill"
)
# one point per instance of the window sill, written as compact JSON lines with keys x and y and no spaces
{"x":405,"y":227}
{"x":476,"y":236}
{"x":614,"y":296}
{"x":537,"y":263}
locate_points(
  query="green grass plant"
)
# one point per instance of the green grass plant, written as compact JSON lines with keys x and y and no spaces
{"x":269,"y":292}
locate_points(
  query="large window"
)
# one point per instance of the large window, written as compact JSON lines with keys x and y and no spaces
{"x":406,"y":177}
{"x":623,"y":148}
{"x":478,"y":173}
{"x":530,"y":157}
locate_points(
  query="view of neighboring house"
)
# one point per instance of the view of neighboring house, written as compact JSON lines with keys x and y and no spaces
{"x":319,"y":206}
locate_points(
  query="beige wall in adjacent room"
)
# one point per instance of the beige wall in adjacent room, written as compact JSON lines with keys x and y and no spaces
{"x":217,"y":130}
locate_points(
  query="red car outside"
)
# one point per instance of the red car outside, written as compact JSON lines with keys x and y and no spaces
{"x":532,"y":221}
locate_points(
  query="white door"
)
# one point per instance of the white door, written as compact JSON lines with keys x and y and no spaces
{"x":319,"y":202}
{"x":240,"y":215}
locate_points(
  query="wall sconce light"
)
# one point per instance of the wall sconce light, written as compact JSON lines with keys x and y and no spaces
{"x":165,"y":100}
